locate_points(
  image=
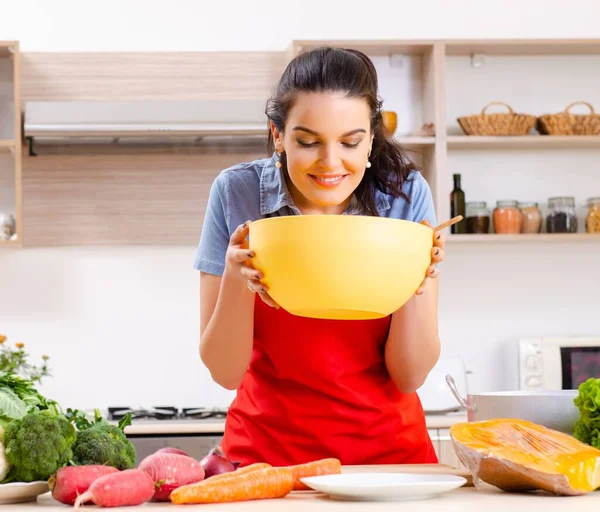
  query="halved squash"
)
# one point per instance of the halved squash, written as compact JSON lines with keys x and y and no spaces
{"x":517,"y":455}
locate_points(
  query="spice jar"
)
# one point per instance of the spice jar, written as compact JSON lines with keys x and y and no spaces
{"x":561,"y":216}
{"x":592,"y":221}
{"x":507,"y":217}
{"x":532,"y":218}
{"x":478,"y":218}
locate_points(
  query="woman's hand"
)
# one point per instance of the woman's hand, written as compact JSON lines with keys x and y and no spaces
{"x":437,"y":255}
{"x":238,"y":264}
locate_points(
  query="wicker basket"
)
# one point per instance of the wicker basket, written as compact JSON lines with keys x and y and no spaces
{"x":497,"y":124}
{"x":566,"y":123}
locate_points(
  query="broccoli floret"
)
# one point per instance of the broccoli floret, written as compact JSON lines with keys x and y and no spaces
{"x":104,"y":444}
{"x":37,"y":445}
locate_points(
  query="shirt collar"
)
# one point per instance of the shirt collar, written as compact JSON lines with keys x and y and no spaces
{"x":274,"y":193}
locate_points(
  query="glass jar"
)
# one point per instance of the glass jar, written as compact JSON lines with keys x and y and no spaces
{"x":562,"y":217}
{"x":592,"y":221}
{"x":532,"y":218}
{"x":507,"y":217}
{"x":478,"y":218}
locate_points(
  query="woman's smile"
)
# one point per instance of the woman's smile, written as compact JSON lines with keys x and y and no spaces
{"x":328,"y":180}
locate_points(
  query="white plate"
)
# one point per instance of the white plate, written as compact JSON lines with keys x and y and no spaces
{"x":383,"y":486}
{"x":20,"y":492}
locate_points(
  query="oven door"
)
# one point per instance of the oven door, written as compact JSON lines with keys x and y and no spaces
{"x":567,"y":362}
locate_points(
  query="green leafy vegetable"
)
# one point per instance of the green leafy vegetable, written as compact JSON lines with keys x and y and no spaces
{"x":587,"y":427}
{"x":104,"y":444}
{"x":11,"y":406}
{"x":18,"y":396}
{"x":37,"y":445}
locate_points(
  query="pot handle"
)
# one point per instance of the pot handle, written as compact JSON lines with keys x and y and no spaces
{"x":457,"y":395}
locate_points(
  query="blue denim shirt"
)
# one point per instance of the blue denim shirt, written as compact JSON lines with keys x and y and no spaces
{"x":255,"y":190}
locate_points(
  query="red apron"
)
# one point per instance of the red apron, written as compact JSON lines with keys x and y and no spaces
{"x":319,"y":388}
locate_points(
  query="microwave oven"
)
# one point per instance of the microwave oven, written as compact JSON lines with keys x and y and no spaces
{"x":556,"y":363}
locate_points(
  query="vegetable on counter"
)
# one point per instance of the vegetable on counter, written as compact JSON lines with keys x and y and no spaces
{"x":517,"y":455}
{"x":101,"y":443}
{"x":215,"y":463}
{"x":19,"y":396}
{"x":170,"y":471}
{"x":319,"y":467}
{"x":38,"y":445}
{"x":268,"y":483}
{"x":71,"y":481}
{"x":172,"y":450}
{"x":4,"y":464}
{"x":242,"y":470}
{"x":124,"y":488}
{"x":587,"y":427}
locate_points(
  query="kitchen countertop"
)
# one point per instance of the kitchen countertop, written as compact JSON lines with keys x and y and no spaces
{"x":217,"y":426}
{"x":466,"y":499}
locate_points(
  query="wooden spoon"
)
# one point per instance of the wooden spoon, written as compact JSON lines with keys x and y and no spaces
{"x":448,"y":223}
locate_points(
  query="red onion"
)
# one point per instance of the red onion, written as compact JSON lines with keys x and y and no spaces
{"x":215,"y":463}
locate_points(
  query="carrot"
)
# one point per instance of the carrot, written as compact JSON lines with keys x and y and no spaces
{"x":241,"y":471}
{"x":315,"y":468}
{"x":259,"y":484}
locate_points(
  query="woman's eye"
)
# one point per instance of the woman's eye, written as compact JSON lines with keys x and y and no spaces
{"x":307,"y":144}
{"x":351,"y":145}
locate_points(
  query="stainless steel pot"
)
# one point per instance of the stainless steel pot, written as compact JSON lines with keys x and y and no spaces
{"x":552,"y":409}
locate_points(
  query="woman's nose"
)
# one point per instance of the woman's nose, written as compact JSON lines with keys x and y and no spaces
{"x":330,"y":159}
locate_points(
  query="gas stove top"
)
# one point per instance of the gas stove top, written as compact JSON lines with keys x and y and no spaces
{"x":167,"y":413}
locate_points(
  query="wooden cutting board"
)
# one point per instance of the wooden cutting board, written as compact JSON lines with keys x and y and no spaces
{"x":419,"y":469}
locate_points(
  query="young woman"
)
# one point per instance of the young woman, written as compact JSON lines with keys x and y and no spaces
{"x":312,"y":388}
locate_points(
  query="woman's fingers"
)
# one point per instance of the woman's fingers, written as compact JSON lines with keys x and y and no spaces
{"x":266,"y":298}
{"x":439,"y":240}
{"x":241,"y":255}
{"x":260,"y":288}
{"x":437,"y":254}
{"x":250,"y":273}
{"x":238,"y":237}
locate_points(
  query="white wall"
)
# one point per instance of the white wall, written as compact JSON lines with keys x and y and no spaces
{"x":183,"y":25}
{"x":121,"y":324}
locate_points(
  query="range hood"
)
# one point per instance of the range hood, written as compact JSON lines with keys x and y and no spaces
{"x":142,"y":121}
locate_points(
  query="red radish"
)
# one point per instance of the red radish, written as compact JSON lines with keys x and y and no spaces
{"x":172,"y":450}
{"x":122,"y":489}
{"x":170,"y":471}
{"x":71,"y":481}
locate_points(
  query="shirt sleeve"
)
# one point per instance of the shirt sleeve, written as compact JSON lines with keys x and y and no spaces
{"x":214,"y":240}
{"x":422,"y":201}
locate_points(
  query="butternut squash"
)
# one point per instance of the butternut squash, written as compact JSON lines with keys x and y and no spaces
{"x":516,"y":455}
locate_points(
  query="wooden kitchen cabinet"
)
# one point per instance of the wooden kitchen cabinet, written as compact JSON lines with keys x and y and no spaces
{"x":447,"y":455}
{"x":10,"y":140}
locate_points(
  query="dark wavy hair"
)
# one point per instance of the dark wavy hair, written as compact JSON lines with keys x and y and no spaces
{"x":351,"y":72}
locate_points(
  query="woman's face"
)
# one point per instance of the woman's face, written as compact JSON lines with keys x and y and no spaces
{"x":327,"y":139}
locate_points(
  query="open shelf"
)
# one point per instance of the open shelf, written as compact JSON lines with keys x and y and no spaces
{"x":6,"y":144}
{"x":372,"y":47}
{"x":524,"y":47}
{"x":524,"y":238}
{"x":524,"y":142}
{"x":415,"y":141}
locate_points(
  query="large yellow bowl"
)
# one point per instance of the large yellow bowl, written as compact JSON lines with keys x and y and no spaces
{"x":344,"y":267}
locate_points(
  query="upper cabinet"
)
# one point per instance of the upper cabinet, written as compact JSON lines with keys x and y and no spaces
{"x":11,"y":225}
{"x":134,"y":189}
